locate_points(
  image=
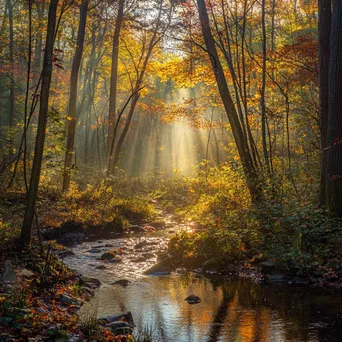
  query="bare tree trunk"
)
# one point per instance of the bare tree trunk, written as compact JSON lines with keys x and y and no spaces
{"x":25,"y":236}
{"x":324,"y":29}
{"x":73,"y":95}
{"x":334,"y":137}
{"x":239,"y":137}
{"x":114,"y":78}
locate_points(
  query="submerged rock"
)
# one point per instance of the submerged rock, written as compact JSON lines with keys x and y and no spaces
{"x":141,"y":244}
{"x":192,"y":299}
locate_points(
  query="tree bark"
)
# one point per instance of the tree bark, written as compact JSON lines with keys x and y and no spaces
{"x":73,"y":95}
{"x":114,"y":79}
{"x":239,"y":137}
{"x":11,"y":57}
{"x":263,"y":88}
{"x":25,"y":236}
{"x":334,"y":137}
{"x":324,"y":29}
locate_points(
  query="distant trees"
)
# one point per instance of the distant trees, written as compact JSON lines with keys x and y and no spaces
{"x":25,"y":235}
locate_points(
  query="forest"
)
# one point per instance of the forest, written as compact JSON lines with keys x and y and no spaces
{"x":170,"y":170}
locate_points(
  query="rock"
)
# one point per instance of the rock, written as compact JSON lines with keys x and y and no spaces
{"x":10,"y":274}
{"x":192,"y":299}
{"x":126,"y":317}
{"x":141,"y":244}
{"x":122,"y":282}
{"x":148,"y":256}
{"x":296,"y":281}
{"x":101,"y":267}
{"x":214,"y":264}
{"x":269,"y":267}
{"x":163,"y":266}
{"x":277,"y":278}
{"x":136,"y":229}
{"x":120,"y":328}
{"x":93,"y":250}
{"x":89,"y":282}
{"x":108,"y":255}
{"x":158,"y":224}
{"x":139,"y":259}
{"x":66,"y":253}
{"x":69,"y":300}
{"x":172,"y":231}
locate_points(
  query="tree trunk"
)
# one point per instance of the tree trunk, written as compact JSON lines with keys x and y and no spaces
{"x":324,"y":29}
{"x":334,"y":137}
{"x":263,"y":88}
{"x":11,"y":57}
{"x":114,"y":79}
{"x":25,"y":235}
{"x":73,"y":95}
{"x":239,"y":137}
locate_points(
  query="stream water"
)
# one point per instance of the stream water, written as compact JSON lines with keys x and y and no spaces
{"x":237,"y":310}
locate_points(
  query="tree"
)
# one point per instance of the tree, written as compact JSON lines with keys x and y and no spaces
{"x":240,"y":138}
{"x":25,"y":236}
{"x":334,"y":136}
{"x":73,"y":95}
{"x":114,"y":79}
{"x":324,"y":28}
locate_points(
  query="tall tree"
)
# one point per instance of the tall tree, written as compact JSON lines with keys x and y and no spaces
{"x":25,"y":236}
{"x":240,"y":138}
{"x":324,"y":29}
{"x":334,"y":137}
{"x":73,"y":95}
{"x":114,"y":79}
{"x":11,"y":60}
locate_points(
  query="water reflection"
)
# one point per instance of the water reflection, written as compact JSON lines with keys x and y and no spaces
{"x":238,"y":310}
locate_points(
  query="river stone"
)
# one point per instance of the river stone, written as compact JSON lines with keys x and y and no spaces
{"x":214,"y":264}
{"x":69,"y":300}
{"x":120,"y":328}
{"x":122,"y":282}
{"x":89,"y":282}
{"x":126,"y":317}
{"x":141,"y":244}
{"x":101,"y":267}
{"x":269,"y":267}
{"x":163,"y":266}
{"x":192,"y":299}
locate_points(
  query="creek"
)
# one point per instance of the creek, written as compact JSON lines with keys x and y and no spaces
{"x":234,"y":310}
